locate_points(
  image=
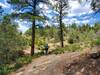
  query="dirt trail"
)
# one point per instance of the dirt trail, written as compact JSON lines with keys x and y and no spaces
{"x":45,"y":65}
{"x":56,"y":64}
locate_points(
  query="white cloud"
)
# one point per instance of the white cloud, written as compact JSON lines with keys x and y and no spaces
{"x":4,"y":5}
{"x":78,"y":9}
{"x":75,"y":20}
{"x":70,"y":21}
{"x":75,"y":12}
{"x":85,"y":21}
{"x":22,"y":25}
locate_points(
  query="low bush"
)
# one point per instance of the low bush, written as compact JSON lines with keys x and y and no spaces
{"x":97,"y":42}
{"x":36,"y":55}
{"x":5,"y":69}
{"x":73,"y":47}
{"x":24,"y":60}
{"x":71,"y":41}
{"x":69,"y":48}
{"x":58,"y":51}
{"x":18,"y":65}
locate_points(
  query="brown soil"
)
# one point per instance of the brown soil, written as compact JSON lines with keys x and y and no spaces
{"x":47,"y":65}
{"x":74,"y":63}
{"x":84,"y":66}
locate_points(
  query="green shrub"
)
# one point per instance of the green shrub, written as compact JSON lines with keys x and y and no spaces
{"x":18,"y":65}
{"x":97,"y":42}
{"x":20,"y":61}
{"x":73,"y":47}
{"x":38,"y":54}
{"x":4,"y":69}
{"x":24,"y":60}
{"x":73,"y":36}
{"x":12,"y":41}
{"x":69,"y":48}
{"x":58,"y":51}
{"x":70,"y":40}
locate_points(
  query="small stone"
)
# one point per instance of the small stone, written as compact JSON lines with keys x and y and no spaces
{"x":82,"y":70}
{"x":20,"y":73}
{"x":78,"y":73}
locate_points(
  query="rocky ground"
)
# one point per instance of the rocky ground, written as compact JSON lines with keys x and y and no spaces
{"x":84,"y":66}
{"x":46,"y":65}
{"x":74,"y":63}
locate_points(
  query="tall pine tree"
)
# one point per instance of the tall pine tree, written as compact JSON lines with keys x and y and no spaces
{"x":32,"y":13}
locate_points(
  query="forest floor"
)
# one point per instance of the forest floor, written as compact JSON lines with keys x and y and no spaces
{"x":73,"y":63}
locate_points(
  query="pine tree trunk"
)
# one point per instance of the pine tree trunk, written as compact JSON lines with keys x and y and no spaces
{"x":33,"y":38}
{"x":33,"y":30}
{"x":61,"y":28}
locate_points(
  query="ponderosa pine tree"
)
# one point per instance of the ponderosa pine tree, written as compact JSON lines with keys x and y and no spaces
{"x":33,"y":13}
{"x":61,"y":7}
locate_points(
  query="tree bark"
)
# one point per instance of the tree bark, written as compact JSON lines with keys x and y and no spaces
{"x":33,"y":30}
{"x":33,"y":38}
{"x":61,"y":27}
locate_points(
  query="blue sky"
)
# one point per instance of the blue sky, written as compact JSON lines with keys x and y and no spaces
{"x":78,"y":13}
